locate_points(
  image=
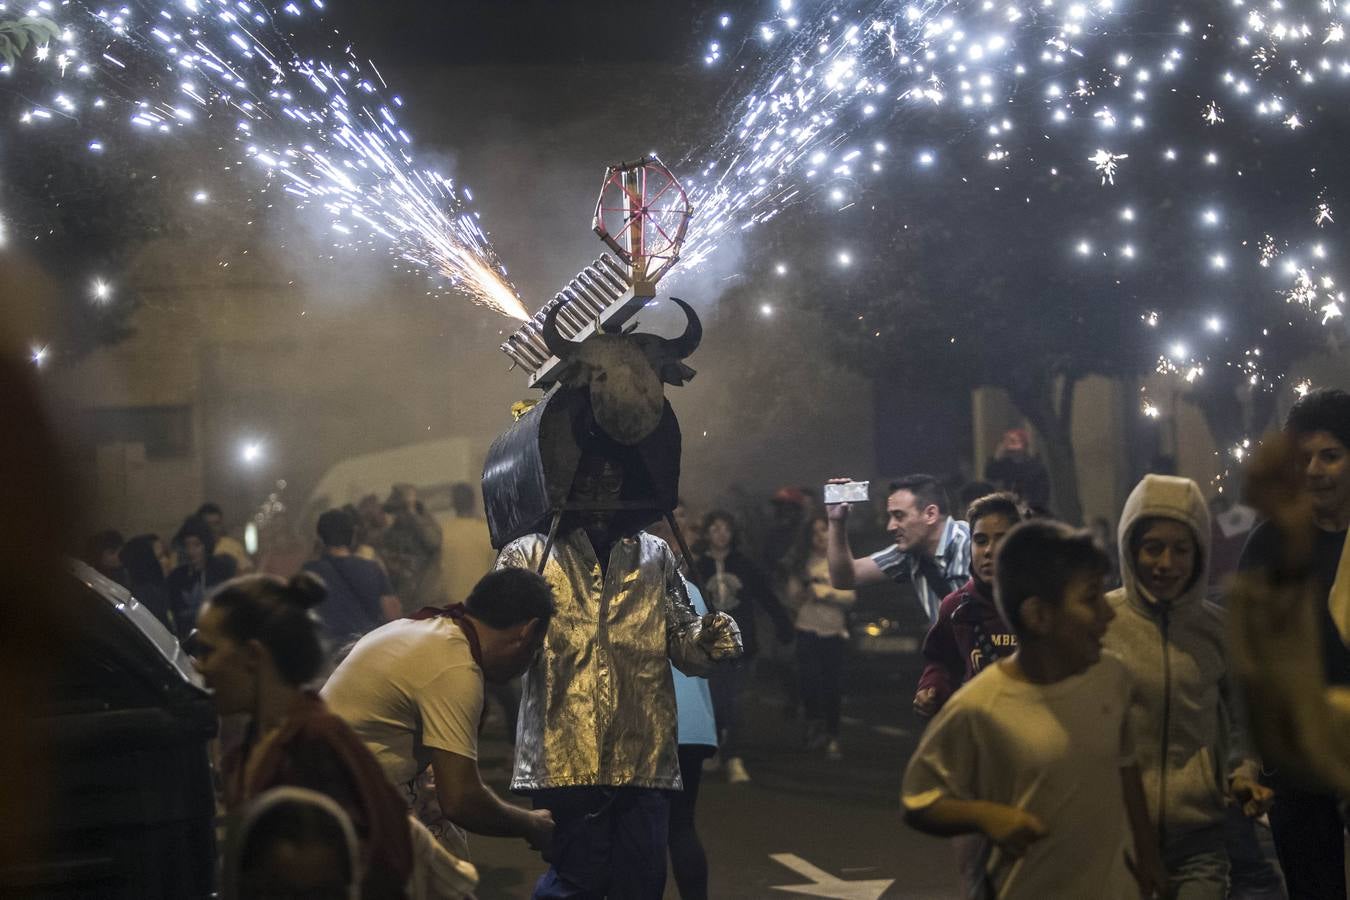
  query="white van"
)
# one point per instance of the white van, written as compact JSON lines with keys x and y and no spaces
{"x":430,"y":466}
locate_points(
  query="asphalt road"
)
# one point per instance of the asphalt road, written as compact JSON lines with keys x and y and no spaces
{"x":804,"y":826}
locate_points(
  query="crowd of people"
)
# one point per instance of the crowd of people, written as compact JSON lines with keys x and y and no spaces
{"x":1083,"y":733}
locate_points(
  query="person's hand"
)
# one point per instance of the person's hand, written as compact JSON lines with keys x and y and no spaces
{"x":1253,"y":797}
{"x":837,"y":512}
{"x":1274,"y":487}
{"x":540,"y":834}
{"x":925,"y":702}
{"x":1012,"y":829}
{"x":720,"y":636}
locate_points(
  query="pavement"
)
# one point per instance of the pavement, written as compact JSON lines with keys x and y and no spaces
{"x":804,"y":825}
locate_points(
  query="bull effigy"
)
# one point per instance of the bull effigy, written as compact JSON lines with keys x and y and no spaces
{"x":602,"y":377}
{"x":568,"y":489}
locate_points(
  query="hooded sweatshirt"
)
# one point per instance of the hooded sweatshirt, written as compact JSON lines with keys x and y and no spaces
{"x":1175,"y":653}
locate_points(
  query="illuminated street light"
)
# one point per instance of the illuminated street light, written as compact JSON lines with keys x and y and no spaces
{"x":251,"y":453}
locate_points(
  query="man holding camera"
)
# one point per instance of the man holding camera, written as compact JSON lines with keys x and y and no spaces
{"x":931,"y":549}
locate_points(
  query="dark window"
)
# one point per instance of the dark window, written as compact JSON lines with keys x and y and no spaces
{"x":166,"y":431}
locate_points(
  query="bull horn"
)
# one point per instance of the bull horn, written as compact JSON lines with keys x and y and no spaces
{"x":684,"y":346}
{"x":558,"y":345}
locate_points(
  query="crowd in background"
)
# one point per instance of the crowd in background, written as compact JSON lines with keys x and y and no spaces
{"x":784,"y":571}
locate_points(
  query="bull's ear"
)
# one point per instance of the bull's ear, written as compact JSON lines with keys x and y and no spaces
{"x":676,"y":373}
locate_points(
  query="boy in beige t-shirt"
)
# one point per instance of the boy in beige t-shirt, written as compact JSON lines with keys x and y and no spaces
{"x":1035,"y":753}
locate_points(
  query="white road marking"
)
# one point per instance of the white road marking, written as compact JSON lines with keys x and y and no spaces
{"x":826,"y":885}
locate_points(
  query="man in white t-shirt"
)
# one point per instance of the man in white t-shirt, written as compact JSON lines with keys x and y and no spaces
{"x":413,"y":690}
{"x":1035,"y":753}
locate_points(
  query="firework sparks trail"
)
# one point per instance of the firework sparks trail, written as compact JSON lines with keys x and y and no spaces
{"x":823,"y":95}
{"x":327,"y":130}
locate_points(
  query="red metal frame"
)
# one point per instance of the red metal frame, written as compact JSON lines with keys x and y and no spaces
{"x":632,"y":219}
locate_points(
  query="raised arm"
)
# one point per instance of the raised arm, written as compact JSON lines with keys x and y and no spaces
{"x":1297,"y":722}
{"x":847,"y":573}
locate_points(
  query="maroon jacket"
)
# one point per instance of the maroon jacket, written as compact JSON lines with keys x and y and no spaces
{"x":968,"y":635}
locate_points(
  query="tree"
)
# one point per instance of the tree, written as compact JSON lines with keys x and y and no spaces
{"x":16,"y":35}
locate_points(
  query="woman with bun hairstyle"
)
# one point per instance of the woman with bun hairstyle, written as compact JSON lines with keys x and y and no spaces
{"x":256,"y":646}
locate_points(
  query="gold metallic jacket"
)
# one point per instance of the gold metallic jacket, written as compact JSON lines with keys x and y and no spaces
{"x":598,"y":704}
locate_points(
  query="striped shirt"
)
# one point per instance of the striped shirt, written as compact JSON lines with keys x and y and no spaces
{"x":936,"y":577}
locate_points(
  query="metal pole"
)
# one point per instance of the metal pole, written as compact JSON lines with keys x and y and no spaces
{"x":688,"y":559}
{"x":633,"y":194}
{"x":548,"y":543}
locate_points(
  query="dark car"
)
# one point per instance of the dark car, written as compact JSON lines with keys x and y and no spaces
{"x":886,"y":627}
{"x":124,"y":729}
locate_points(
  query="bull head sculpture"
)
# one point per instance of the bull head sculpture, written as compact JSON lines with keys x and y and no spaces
{"x":625,"y":372}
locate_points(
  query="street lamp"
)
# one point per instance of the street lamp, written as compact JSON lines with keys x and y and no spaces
{"x":251,"y":453}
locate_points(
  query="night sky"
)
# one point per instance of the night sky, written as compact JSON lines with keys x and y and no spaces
{"x":535,"y":32}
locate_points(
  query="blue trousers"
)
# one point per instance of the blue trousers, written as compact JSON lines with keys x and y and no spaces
{"x":607,"y":842}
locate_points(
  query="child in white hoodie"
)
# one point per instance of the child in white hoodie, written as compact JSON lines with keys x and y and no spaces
{"x":1172,"y":641}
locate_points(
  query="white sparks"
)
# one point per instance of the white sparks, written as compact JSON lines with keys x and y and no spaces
{"x":1106,"y":163}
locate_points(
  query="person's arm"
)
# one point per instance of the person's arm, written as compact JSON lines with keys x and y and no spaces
{"x":1012,"y":829}
{"x":1148,"y":865}
{"x":1275,"y":610}
{"x":475,"y":807}
{"x":1244,"y":771}
{"x":512,"y":556}
{"x":844,"y":599}
{"x":847,"y":573}
{"x":390,"y":607}
{"x":695,"y":645}
{"x":942,"y":669}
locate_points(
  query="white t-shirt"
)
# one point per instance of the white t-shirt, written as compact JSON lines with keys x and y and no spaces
{"x":407,"y":687}
{"x":1054,"y":751}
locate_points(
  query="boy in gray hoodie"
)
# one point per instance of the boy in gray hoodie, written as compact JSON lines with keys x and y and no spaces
{"x":1172,"y":641}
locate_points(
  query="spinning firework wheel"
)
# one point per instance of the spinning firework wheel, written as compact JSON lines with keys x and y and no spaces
{"x":642,"y":214}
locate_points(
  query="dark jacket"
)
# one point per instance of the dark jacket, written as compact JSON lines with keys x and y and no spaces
{"x":738,"y":590}
{"x":187,"y":589}
{"x":968,"y":635}
{"x":145,"y":578}
{"x":411,"y":550}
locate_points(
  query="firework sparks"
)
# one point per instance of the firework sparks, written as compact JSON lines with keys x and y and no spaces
{"x":1106,"y":163}
{"x":1195,"y":107}
{"x":325,"y":130}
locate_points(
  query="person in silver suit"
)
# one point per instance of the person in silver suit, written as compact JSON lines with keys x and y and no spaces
{"x":596,"y":739}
